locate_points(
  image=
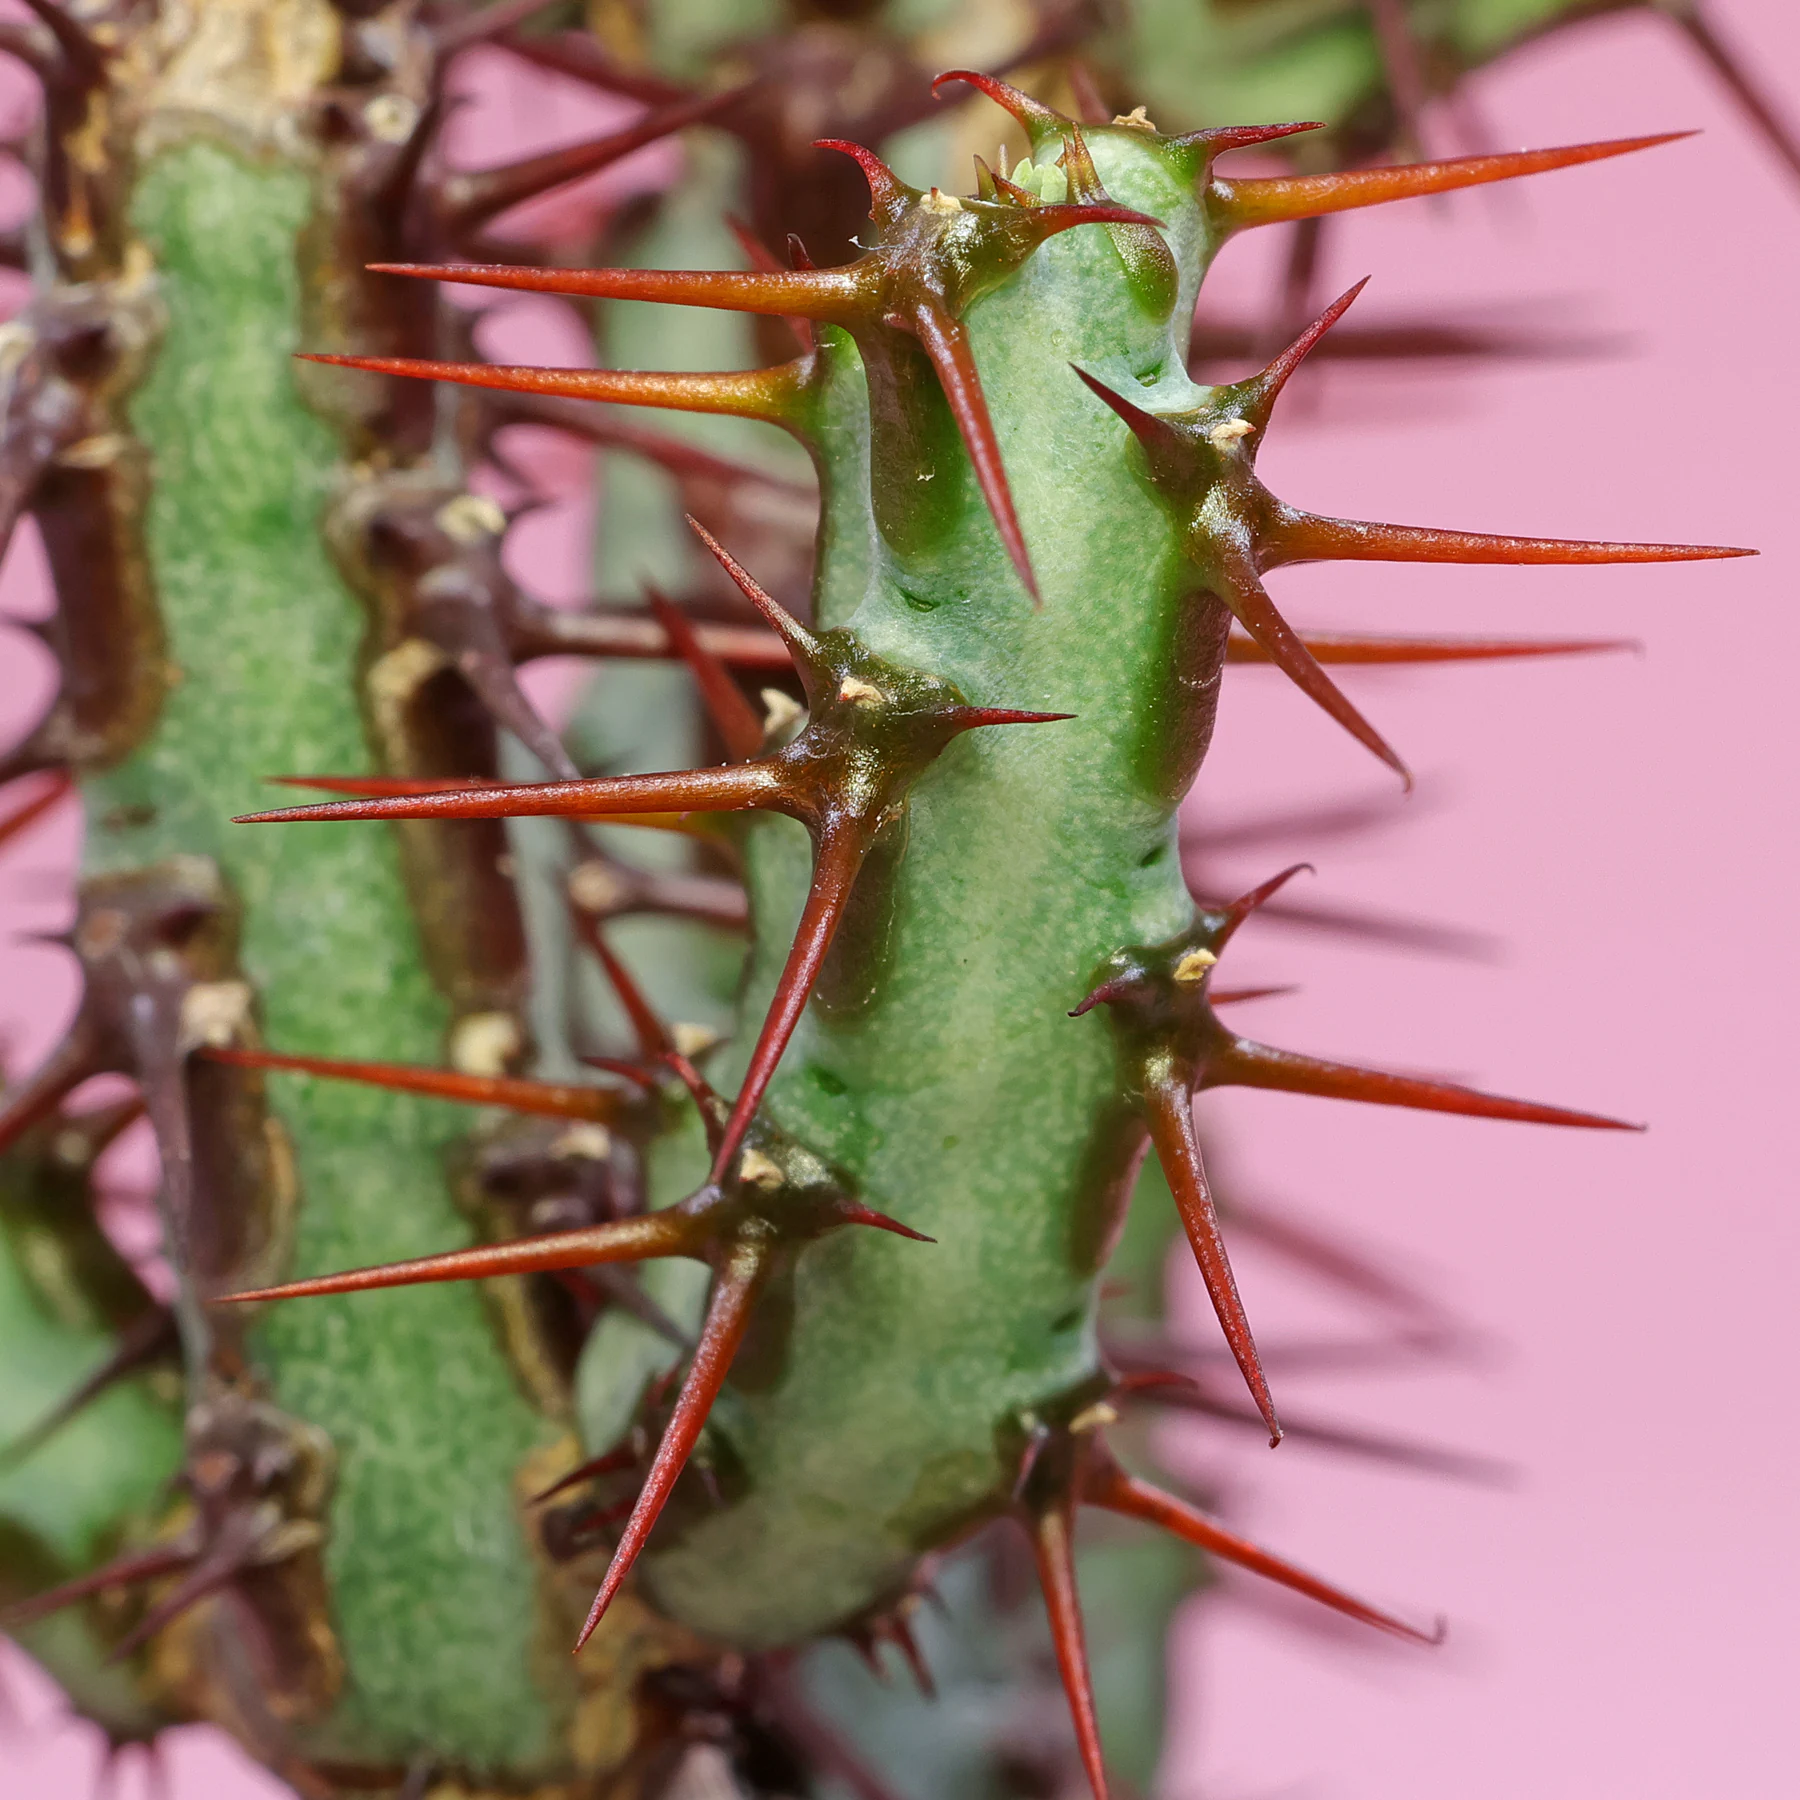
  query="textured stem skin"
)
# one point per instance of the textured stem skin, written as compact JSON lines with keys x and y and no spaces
{"x":426,"y":1418}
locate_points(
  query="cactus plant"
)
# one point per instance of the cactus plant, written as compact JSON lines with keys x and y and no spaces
{"x":977,"y":985}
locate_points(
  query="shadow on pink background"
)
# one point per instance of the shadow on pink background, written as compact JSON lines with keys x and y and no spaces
{"x":1622,"y":1614}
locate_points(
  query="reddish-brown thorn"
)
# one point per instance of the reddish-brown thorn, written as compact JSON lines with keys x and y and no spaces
{"x":735,"y":1287}
{"x":798,"y":254}
{"x":578,"y":55}
{"x":973,"y":718}
{"x":833,"y":295}
{"x":1266,"y":200}
{"x":1248,"y":1064}
{"x":1034,"y":115}
{"x":1735,"y":74}
{"x":732,"y":715}
{"x":668,"y":1233}
{"x":39,"y":1095}
{"x":1215,"y":140}
{"x":1298,"y":537}
{"x":853,"y":1212}
{"x":1403,"y":63}
{"x":1354,"y":648}
{"x":1255,"y":611}
{"x":802,"y":645}
{"x":1168,"y":1110}
{"x":902,"y":1635}
{"x":947,"y":345}
{"x":836,"y":863}
{"x":1107,"y":1485}
{"x":125,"y":1571}
{"x":1275,"y":377}
{"x":1237,"y":996}
{"x":1155,"y":433}
{"x":476,"y":27}
{"x":730,"y":789}
{"x":29,"y":811}
{"x":472,"y":199}
{"x":1053,"y":1541}
{"x":146,"y":1340}
{"x":889,"y":196}
{"x":629,"y":1071}
{"x":546,"y":1099}
{"x":748,"y":394}
{"x":653,"y":1040}
{"x":705,"y":1097}
{"x":236,"y":1548}
{"x":1245,"y":904}
{"x":1107,"y":990}
{"x":85,"y":53}
{"x":614,"y":1462}
{"x":1089,"y":101}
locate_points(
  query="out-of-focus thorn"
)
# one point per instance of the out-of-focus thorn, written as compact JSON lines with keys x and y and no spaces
{"x":125,"y":1571}
{"x":544,"y":1099}
{"x":732,"y":715}
{"x":760,"y":256}
{"x":1731,"y":69}
{"x":481,"y":24}
{"x":49,"y":794}
{"x":1404,"y":65}
{"x":146,"y":1340}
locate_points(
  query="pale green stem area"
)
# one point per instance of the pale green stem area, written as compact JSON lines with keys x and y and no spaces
{"x":432,"y":1585}
{"x":871,"y":1414}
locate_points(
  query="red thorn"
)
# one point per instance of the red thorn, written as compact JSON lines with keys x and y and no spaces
{"x":798,"y":254}
{"x":853,"y":1212}
{"x":125,"y":1571}
{"x":28,"y":812}
{"x":1268,"y":199}
{"x":1052,"y":1538}
{"x":727,"y":1316}
{"x":1151,"y":430}
{"x":1089,"y":101}
{"x":889,"y":196}
{"x":802,"y":645}
{"x":668,"y":1233}
{"x":614,"y":1462}
{"x":836,"y":864}
{"x":1275,"y":377}
{"x":974,"y":718}
{"x":85,"y":54}
{"x":458,"y":33}
{"x":902,"y":1635}
{"x":947,"y":345}
{"x":1169,"y":1113}
{"x":1335,"y":647}
{"x":37,"y":1097}
{"x":1255,"y":611}
{"x":1245,"y":904}
{"x":705,"y":1096}
{"x":750,"y":394}
{"x":1237,"y":996}
{"x":1106,"y":991}
{"x":833,"y":295}
{"x":629,"y":1071}
{"x":733,"y":716}
{"x":1249,"y":1064}
{"x":1107,"y":1485}
{"x":1217,"y":139}
{"x":653,"y":1040}
{"x":472,"y":199}
{"x":733,"y":789}
{"x":1735,"y":74}
{"x":546,"y":1099}
{"x":1034,"y":115}
{"x":240,"y":1539}
{"x":1307,"y":537}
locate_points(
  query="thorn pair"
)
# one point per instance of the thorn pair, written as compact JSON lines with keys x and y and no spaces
{"x":1172,"y":1046}
{"x":1069,"y":1465}
{"x":1202,"y":463}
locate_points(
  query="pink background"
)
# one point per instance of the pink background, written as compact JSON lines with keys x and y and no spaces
{"x":1622,"y":1613}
